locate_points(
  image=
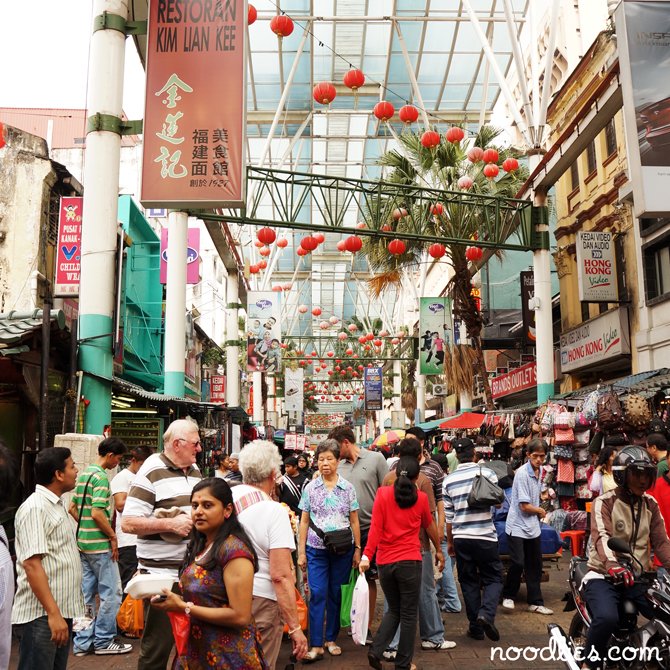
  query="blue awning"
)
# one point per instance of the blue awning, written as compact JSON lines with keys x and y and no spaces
{"x":431,"y":425}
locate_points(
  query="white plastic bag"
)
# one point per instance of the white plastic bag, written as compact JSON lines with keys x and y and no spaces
{"x":360,"y":611}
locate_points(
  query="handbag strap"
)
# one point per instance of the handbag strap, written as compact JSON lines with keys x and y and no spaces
{"x":316,"y":529}
{"x":81,"y":507}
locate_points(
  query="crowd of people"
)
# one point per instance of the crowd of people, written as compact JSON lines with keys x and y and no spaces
{"x":238,"y":546}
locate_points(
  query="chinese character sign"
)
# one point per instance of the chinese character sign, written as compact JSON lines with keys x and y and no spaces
{"x":263,"y":332}
{"x":68,"y":254}
{"x":436,"y":334}
{"x":194,"y":121}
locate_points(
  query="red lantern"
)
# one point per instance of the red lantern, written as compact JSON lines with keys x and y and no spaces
{"x":397,"y":247}
{"x":282,"y":242}
{"x":408,"y":114}
{"x":465,"y":182}
{"x":361,"y":225}
{"x":301,"y":252}
{"x":490,"y":156}
{"x":2,"y":135}
{"x":341,"y":245}
{"x":353,"y":243}
{"x":324,"y":92}
{"x":510,"y":164}
{"x":399,"y":213}
{"x":454,"y":134}
{"x":277,"y":288}
{"x":317,"y":312}
{"x":430,"y":139}
{"x":369,"y":337}
{"x":266,"y":235}
{"x":475,"y":154}
{"x":437,"y":209}
{"x":319,"y":237}
{"x":258,"y":244}
{"x":252,"y":14}
{"x":329,"y":354}
{"x":308,"y":243}
{"x":281,"y":25}
{"x":436,"y":250}
{"x":362,"y":339}
{"x":491,"y":170}
{"x":474,"y":254}
{"x":254,"y":269}
{"x":262,"y":264}
{"x":383,"y":110}
{"x":265,"y":251}
{"x":386,"y":228}
{"x":377,"y":343}
{"x":353,"y":79}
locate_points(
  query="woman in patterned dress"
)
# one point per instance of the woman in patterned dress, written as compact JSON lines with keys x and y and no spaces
{"x":216,"y":584}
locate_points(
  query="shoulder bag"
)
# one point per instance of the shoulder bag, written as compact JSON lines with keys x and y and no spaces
{"x":484,"y":493}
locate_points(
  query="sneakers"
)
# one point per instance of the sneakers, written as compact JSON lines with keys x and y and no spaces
{"x":114,"y":647}
{"x":368,"y":639}
{"x":489,"y":628}
{"x":390,"y":654}
{"x":508,"y":603}
{"x":540,"y":609}
{"x":437,"y":646}
{"x":83,"y":652}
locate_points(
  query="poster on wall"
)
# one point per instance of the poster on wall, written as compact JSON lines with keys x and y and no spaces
{"x":68,"y":252}
{"x":293,"y":390}
{"x":436,"y":334}
{"x":194,"y":128}
{"x":263,"y":332}
{"x":643,"y":44}
{"x":596,"y":266}
{"x":527,"y":278}
{"x":373,"y":389}
{"x":192,"y":256}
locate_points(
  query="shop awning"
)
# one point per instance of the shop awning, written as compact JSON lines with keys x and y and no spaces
{"x":427,"y":426}
{"x":646,"y":384}
{"x":15,"y":326}
{"x":464,"y":421}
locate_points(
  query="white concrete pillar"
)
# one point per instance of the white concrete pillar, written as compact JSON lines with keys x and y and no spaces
{"x":258,"y":396}
{"x":232,"y":335}
{"x":420,"y":413}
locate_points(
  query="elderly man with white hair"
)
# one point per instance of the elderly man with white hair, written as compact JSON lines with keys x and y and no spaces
{"x":158,"y":511}
{"x":269,"y":528}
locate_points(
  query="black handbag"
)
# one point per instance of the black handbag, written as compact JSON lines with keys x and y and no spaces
{"x":338,"y":542}
{"x":484,"y":493}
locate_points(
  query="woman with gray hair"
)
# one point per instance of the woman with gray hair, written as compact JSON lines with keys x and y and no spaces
{"x":329,"y":546}
{"x":268,"y":526}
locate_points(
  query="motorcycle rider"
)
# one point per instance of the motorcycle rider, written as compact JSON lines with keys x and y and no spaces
{"x":629,"y":513}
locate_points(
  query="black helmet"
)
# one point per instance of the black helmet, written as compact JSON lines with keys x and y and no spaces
{"x":629,"y":459}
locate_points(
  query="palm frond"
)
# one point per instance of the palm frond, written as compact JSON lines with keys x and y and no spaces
{"x":380,"y":282}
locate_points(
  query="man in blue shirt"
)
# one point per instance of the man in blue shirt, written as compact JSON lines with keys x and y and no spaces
{"x":523,"y":531}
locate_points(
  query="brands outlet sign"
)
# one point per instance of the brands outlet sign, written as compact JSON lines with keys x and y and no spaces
{"x":517,"y":380}
{"x":601,"y":339}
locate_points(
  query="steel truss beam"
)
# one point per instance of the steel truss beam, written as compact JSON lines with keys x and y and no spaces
{"x":510,"y":222}
{"x":405,"y":350}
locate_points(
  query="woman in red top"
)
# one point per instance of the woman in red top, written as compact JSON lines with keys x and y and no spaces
{"x":398,"y":513}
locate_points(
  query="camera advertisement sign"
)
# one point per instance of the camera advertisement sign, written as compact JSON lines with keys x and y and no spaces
{"x":293,"y":390}
{"x":596,"y":266}
{"x":595,"y":341}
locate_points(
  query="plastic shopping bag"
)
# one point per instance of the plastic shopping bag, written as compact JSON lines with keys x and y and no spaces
{"x":347,"y":595}
{"x":360,"y":611}
{"x":130,"y":618}
{"x":181,"y":629}
{"x":303,"y":618}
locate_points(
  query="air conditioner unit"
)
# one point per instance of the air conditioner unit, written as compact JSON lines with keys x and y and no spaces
{"x":439,"y":389}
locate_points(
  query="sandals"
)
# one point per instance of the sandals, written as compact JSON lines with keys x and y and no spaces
{"x":312,"y":656}
{"x":333,"y":649}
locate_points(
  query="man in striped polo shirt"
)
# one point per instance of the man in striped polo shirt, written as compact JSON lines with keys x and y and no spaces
{"x":99,"y":552}
{"x":158,"y":511}
{"x":472,"y":539}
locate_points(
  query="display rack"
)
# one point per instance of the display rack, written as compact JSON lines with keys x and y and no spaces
{"x":135,"y":432}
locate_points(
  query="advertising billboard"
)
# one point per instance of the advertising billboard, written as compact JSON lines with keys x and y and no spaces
{"x":263,"y":332}
{"x":68,"y":252}
{"x":596,"y":266}
{"x":373,"y":389}
{"x":293,"y":390}
{"x":192,"y":256}
{"x":527,"y":278}
{"x":436,"y":334}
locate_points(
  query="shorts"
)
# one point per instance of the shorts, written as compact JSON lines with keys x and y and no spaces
{"x":372,"y":573}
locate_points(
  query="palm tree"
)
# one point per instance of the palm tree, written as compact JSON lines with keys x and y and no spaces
{"x":458,"y":205}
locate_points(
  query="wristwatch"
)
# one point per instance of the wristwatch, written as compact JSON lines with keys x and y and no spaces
{"x":357,"y":546}
{"x":188,"y":608}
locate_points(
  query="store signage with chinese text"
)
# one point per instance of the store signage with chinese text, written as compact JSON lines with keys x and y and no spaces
{"x":194,"y":120}
{"x":68,"y":253}
{"x":596,"y":266}
{"x":521,"y":379}
{"x":595,"y":341}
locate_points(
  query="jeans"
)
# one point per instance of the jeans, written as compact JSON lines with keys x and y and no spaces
{"x":447,"y":593}
{"x":100,"y":577}
{"x":400,"y":582}
{"x":526,"y":557}
{"x":326,"y":572}
{"x":480,"y":575}
{"x":431,"y":627}
{"x":36,"y":650}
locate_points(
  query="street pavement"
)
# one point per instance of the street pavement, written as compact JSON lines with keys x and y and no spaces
{"x":519,"y":629}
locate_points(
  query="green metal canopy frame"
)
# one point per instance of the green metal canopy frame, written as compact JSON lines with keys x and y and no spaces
{"x":514,"y":228}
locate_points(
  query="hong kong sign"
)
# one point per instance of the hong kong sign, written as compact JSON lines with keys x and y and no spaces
{"x":68,"y":254}
{"x":596,"y":267}
{"x":595,"y":341}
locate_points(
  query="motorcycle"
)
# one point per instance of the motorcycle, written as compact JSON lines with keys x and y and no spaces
{"x":631,"y":647}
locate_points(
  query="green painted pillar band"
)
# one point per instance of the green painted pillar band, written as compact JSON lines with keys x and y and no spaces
{"x":174,"y":383}
{"x":544,"y":392}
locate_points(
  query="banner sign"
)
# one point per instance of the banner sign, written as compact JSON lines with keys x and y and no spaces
{"x":263,"y":332}
{"x":596,"y":267}
{"x":527,"y":278}
{"x":217,"y":388}
{"x":192,"y":256}
{"x":194,"y":119}
{"x":436,"y":334}
{"x":293,"y":389}
{"x":521,"y":379}
{"x":68,"y":253}
{"x":595,"y":341}
{"x":373,"y":389}
{"x":643,"y":44}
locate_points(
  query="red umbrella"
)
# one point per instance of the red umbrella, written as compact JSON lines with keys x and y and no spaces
{"x":466,"y":421}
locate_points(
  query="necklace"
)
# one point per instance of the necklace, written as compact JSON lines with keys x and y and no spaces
{"x":203,"y":553}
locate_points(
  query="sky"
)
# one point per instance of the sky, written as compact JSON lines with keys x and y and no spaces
{"x":44,"y":49}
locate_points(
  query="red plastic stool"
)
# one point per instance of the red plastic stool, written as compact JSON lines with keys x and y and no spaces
{"x":576,"y":540}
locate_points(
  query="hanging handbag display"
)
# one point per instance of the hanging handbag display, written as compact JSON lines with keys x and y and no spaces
{"x":484,"y":493}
